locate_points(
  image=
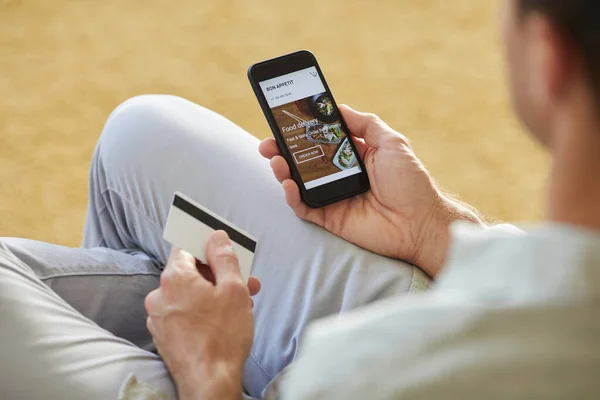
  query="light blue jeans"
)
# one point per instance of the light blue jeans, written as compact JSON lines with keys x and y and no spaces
{"x":73,"y":320}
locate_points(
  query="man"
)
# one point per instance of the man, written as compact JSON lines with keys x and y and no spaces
{"x":510,"y":316}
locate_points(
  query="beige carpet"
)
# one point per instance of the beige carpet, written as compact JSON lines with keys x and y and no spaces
{"x":431,"y":68}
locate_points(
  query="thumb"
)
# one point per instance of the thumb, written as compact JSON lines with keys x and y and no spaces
{"x":366,"y":126}
{"x":221,"y":258}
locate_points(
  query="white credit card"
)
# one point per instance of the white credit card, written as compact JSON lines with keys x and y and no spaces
{"x":190,"y":225}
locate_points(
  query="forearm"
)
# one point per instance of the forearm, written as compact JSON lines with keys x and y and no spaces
{"x":434,"y":243}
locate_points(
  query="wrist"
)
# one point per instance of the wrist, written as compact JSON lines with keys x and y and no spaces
{"x":434,"y":239}
{"x":216,"y":381}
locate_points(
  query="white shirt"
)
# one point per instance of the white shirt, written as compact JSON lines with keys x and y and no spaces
{"x":512,"y":316}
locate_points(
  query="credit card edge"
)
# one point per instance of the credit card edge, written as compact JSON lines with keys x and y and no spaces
{"x":212,"y":214}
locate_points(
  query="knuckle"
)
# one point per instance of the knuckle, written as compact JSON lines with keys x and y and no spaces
{"x":235,"y":287}
{"x":168,"y":276}
{"x":401,"y":140}
{"x":148,"y":302}
{"x":405,"y":140}
{"x":373,"y":121}
{"x":164,"y":278}
{"x":372,"y":117}
{"x":186,"y":258}
{"x":300,"y":212}
{"x":150,"y":325}
{"x":151,"y":302}
{"x":225,"y":254}
{"x":227,"y":259}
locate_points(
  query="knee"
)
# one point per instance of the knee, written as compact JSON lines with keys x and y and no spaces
{"x":147,"y":124}
{"x":148,"y":128}
{"x":137,"y":105}
{"x":135,"y":130}
{"x":139,"y":117}
{"x":143,"y":106}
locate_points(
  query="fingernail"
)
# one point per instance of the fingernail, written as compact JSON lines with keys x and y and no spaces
{"x":220,"y":238}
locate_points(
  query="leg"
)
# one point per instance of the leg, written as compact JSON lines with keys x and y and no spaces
{"x":153,"y":146}
{"x":56,"y":353}
{"x":104,"y":285}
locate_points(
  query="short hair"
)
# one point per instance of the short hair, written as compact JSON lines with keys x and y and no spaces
{"x":579,"y":21}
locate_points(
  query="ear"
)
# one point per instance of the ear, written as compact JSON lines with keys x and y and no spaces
{"x":551,"y":61}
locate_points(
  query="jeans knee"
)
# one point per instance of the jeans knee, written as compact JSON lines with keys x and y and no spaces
{"x":142,"y":105}
{"x":145,"y":122}
{"x":152,"y":129}
{"x":138,"y":114}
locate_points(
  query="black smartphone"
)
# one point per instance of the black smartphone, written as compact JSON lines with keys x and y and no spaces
{"x":310,"y":132}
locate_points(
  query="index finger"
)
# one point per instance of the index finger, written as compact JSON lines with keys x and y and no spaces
{"x":181,"y":260}
{"x":221,"y":258}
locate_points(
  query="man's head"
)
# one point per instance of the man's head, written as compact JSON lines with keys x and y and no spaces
{"x":553,"y":51}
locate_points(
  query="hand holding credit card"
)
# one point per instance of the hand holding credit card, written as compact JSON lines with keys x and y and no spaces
{"x":190,"y":225}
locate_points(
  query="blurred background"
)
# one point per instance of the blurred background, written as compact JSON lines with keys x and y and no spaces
{"x":431,"y":68}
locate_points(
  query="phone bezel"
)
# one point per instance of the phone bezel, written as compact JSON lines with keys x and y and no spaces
{"x":321,"y":195}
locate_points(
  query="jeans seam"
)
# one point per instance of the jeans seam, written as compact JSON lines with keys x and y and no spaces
{"x":136,"y":207}
{"x":101,"y":242}
{"x":123,"y":197}
{"x":262,"y":368}
{"x":97,"y":168}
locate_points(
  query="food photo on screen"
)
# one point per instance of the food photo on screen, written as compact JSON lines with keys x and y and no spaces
{"x":313,"y":133}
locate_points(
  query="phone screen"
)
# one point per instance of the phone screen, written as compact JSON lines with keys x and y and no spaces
{"x":311,"y":128}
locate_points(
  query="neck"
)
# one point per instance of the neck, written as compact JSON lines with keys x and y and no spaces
{"x":574,"y":197}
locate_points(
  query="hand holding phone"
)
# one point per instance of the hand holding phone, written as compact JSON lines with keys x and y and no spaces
{"x":404,"y":215}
